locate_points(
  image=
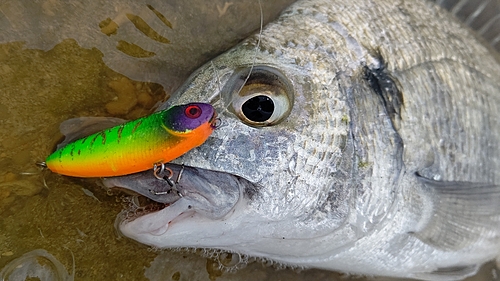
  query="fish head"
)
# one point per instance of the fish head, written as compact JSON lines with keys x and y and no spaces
{"x":273,"y":174}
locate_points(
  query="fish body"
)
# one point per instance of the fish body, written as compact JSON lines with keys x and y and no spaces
{"x":136,"y":145}
{"x":358,"y":136}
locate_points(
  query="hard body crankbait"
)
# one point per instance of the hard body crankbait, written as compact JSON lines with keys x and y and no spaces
{"x":136,"y":145}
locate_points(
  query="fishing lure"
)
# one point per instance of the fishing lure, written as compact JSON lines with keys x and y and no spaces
{"x":137,"y":145}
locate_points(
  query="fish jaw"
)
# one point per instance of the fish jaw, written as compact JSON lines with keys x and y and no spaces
{"x":200,"y":200}
{"x":212,"y":210}
{"x":222,"y":211}
{"x":178,"y":225}
{"x":241,"y":231}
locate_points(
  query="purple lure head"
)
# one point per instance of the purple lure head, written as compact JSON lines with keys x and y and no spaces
{"x":189,"y":116}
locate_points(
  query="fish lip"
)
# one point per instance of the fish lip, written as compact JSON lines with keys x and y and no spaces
{"x":164,"y":218}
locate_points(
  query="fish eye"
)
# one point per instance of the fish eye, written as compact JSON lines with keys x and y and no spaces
{"x":258,"y":109}
{"x":192,"y":111}
{"x":264,"y":99}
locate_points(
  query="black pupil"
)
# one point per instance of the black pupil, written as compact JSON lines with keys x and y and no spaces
{"x":258,"y":108}
{"x":193,"y":111}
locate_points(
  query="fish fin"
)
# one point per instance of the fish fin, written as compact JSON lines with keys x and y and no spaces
{"x":461,"y":213}
{"x":449,"y":273}
{"x":76,"y":128}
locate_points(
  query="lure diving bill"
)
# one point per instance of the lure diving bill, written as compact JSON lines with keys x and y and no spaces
{"x":137,"y":145}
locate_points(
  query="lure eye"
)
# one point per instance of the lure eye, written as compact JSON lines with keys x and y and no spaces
{"x":265,"y":99}
{"x":192,"y":111}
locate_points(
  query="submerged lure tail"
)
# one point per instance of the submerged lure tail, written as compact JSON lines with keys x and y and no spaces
{"x":137,"y":145}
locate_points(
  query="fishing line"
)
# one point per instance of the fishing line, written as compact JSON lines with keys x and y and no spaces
{"x":256,"y":48}
{"x":251,"y":67}
{"x":211,"y":99}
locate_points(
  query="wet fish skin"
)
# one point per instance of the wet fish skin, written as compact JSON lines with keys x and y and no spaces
{"x":387,"y":163}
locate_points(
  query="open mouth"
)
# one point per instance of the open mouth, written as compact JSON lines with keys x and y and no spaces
{"x":175,"y":192}
{"x":150,"y":191}
{"x":137,"y":205}
{"x":158,"y":216}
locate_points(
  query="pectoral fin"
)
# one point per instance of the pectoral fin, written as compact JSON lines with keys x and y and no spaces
{"x":80,"y":127}
{"x":462,"y":213}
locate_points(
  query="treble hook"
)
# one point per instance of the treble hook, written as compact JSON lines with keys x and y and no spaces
{"x":158,"y":169}
{"x":179,"y":175}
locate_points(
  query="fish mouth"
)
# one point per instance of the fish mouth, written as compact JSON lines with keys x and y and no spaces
{"x":178,"y":192}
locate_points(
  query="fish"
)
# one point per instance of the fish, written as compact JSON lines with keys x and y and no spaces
{"x":357,"y":136}
{"x":136,"y":145}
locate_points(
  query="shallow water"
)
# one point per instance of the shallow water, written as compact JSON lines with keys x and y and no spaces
{"x":61,"y":71}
